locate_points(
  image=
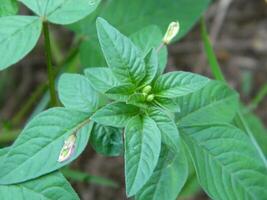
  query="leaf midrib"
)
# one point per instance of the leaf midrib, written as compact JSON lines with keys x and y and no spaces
{"x":54,"y":141}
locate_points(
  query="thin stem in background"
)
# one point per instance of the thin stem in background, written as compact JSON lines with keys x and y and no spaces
{"x":212,"y":59}
{"x":50,"y":71}
{"x":217,"y":73}
{"x":259,"y":97}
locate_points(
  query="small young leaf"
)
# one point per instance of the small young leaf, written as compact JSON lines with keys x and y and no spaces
{"x":38,"y":147}
{"x":151,"y":62}
{"x":121,"y":54}
{"x":121,"y":92}
{"x":62,"y":11}
{"x":137,"y":99}
{"x":215,"y":103}
{"x":106,"y":140}
{"x":49,"y":187}
{"x":176,"y":84}
{"x":76,"y":92}
{"x":142,"y":149}
{"x":18,"y":36}
{"x":168,"y":178}
{"x":148,"y":38}
{"x":226,"y":156}
{"x":8,"y":7}
{"x":101,"y":78}
{"x":115,"y":114}
{"x":169,"y":132}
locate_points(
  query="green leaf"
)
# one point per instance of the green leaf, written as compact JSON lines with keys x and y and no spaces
{"x":106,"y":140}
{"x":227,"y":164}
{"x":258,"y":129}
{"x":151,"y":62}
{"x":101,"y":78}
{"x":121,"y":92}
{"x":37,"y":149}
{"x":168,"y":178}
{"x":49,"y":187}
{"x":142,"y":149}
{"x":168,"y":104}
{"x":8,"y":7}
{"x":116,"y":114}
{"x":137,"y":99}
{"x":62,"y":11}
{"x":177,"y":84}
{"x":121,"y":54}
{"x":215,"y":103}
{"x":169,"y":132}
{"x":18,"y":36}
{"x":76,"y":92}
{"x":148,"y":38}
{"x":134,"y":15}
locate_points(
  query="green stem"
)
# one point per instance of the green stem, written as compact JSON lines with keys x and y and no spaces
{"x":50,"y":71}
{"x":87,"y":178}
{"x":259,"y":97}
{"x":213,"y":63}
{"x":216,"y":71}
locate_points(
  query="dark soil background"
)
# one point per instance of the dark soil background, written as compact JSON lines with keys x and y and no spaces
{"x":238,"y":29}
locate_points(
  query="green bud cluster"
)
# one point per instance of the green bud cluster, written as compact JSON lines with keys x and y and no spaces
{"x":146,"y":90}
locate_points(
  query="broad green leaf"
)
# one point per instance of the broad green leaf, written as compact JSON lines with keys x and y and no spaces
{"x":168,"y":178}
{"x":36,"y":151}
{"x":133,"y":15}
{"x":191,"y":186}
{"x":121,"y":92}
{"x":18,"y":36}
{"x":169,"y":132}
{"x":259,"y":131}
{"x":148,"y":38}
{"x":8,"y":7}
{"x":227,"y":164}
{"x":168,"y":104}
{"x":101,"y":78}
{"x":177,"y":84}
{"x":107,"y":140}
{"x":152,"y":68}
{"x":76,"y":92}
{"x":49,"y":187}
{"x":121,"y":54}
{"x":115,"y":114}
{"x":137,"y":99}
{"x":62,"y":11}
{"x":215,"y":103}
{"x":142,"y":149}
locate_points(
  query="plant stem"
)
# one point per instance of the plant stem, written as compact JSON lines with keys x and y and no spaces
{"x":87,"y":178}
{"x":216,"y":71}
{"x":259,"y":97}
{"x":213,"y":63}
{"x":50,"y":71}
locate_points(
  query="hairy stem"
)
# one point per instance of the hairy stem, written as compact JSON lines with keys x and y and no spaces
{"x":50,"y":71}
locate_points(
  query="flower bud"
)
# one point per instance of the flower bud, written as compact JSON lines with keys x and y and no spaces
{"x":150,"y":97}
{"x":67,"y":149}
{"x":147,"y":89}
{"x":172,"y":31}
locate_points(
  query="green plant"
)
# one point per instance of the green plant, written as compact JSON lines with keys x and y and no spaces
{"x":132,"y":97}
{"x":170,"y":127}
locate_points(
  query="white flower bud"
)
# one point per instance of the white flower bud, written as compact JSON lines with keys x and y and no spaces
{"x":172,"y":31}
{"x":67,"y":149}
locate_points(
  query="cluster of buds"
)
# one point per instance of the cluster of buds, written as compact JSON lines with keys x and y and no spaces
{"x":146,"y":90}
